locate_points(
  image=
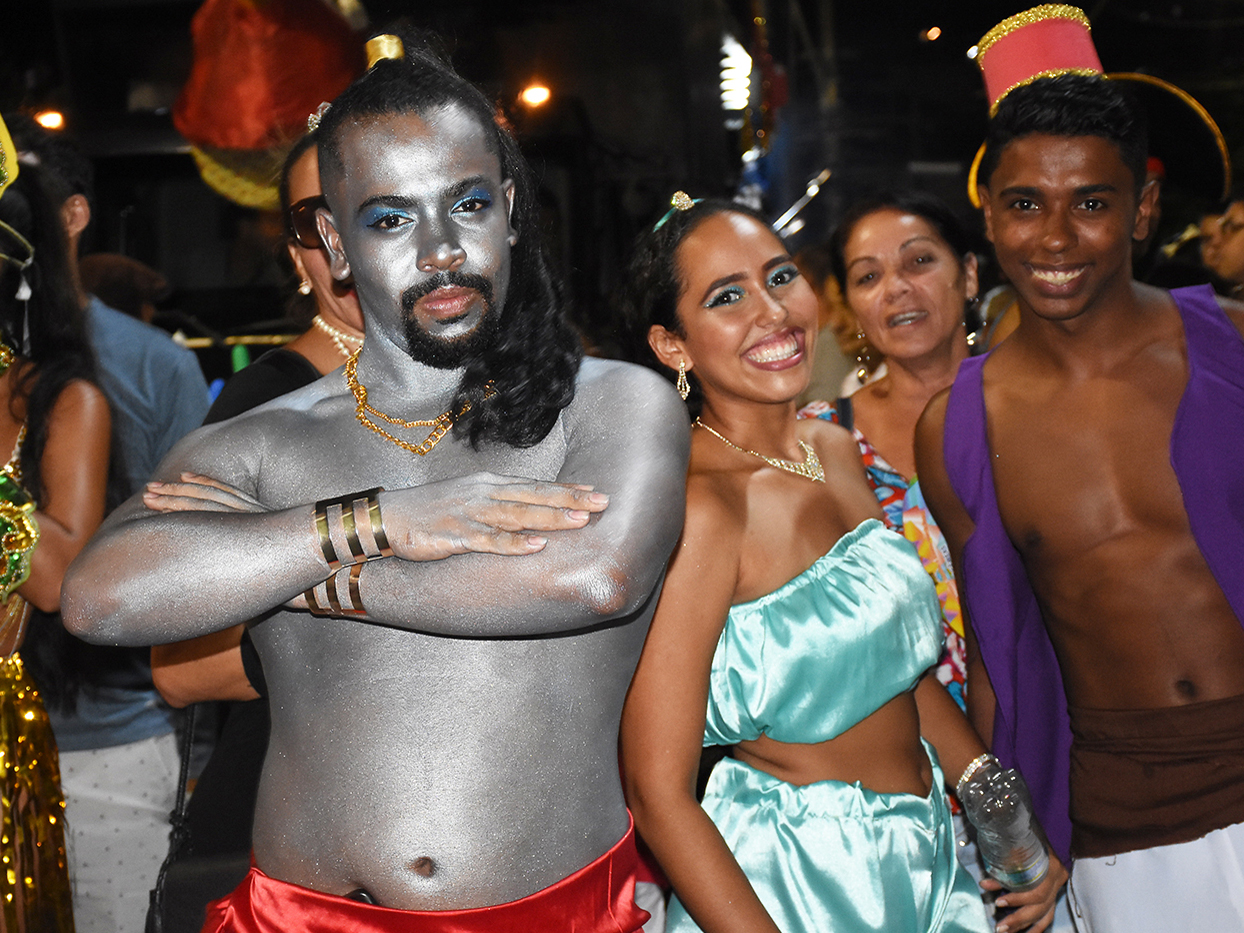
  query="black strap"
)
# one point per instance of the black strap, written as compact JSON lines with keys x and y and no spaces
{"x":179,"y":834}
{"x":846,"y":417}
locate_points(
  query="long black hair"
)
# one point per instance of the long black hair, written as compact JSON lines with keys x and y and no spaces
{"x":534,"y":359}
{"x":47,"y":329}
{"x":653,"y":285}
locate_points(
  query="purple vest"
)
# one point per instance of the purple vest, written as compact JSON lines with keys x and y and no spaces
{"x":1031,"y":730}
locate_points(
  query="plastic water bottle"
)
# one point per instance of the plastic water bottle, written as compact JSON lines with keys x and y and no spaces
{"x":999,"y":807}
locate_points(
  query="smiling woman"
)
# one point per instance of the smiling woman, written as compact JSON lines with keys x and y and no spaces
{"x":793,"y":626}
{"x":908,"y":274}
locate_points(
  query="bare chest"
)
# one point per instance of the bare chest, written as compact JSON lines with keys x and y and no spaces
{"x":1078,"y":466}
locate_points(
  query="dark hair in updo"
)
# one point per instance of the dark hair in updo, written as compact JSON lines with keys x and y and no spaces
{"x":1069,"y":105}
{"x":534,"y":359}
{"x":931,"y":210}
{"x":652,"y":285}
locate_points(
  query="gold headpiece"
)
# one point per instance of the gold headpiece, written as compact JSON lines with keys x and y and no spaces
{"x":386,"y":46}
{"x":24,"y":254}
{"x":8,"y":158}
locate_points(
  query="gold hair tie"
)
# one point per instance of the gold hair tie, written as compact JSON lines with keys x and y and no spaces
{"x":386,"y":46}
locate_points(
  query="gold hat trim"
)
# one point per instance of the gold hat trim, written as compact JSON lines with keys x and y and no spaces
{"x":1049,"y":73}
{"x":1037,"y":14}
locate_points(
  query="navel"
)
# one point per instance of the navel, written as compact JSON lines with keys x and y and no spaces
{"x":423,"y":866}
{"x":1186,"y":689}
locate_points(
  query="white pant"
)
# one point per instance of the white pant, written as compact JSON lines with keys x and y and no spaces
{"x":117,"y":806}
{"x":1191,"y":886}
{"x":651,"y":898}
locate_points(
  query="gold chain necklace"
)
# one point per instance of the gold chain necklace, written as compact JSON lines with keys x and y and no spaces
{"x":440,"y":425}
{"x":344,"y":342}
{"x":809,"y":469}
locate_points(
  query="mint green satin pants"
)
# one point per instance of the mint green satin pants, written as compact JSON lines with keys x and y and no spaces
{"x":839,"y":857}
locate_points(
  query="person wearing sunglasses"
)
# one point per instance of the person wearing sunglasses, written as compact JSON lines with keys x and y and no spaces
{"x":224,"y":665}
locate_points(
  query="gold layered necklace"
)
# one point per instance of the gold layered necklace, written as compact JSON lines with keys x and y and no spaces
{"x":440,"y":425}
{"x":809,"y":469}
{"x":344,"y":342}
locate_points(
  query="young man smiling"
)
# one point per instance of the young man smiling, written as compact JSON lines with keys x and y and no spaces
{"x":443,"y":753}
{"x":1087,"y":476}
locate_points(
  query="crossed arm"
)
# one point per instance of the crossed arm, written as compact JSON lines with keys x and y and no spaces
{"x":154,"y":577}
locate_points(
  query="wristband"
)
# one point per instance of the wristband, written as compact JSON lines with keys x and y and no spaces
{"x":342,"y":596}
{"x":975,"y":765}
{"x":345,"y":509}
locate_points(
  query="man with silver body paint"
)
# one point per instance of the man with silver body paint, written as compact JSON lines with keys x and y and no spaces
{"x":456,"y":746}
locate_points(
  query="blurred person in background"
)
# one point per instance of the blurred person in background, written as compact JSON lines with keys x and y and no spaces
{"x":119,"y":756}
{"x":53,"y":487}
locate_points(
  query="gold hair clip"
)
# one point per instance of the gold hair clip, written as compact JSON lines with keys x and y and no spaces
{"x":681,"y":201}
{"x":381,"y":47}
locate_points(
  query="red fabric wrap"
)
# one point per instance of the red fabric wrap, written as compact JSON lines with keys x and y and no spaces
{"x":599,"y":898}
{"x":260,"y":68}
{"x":1051,"y":45}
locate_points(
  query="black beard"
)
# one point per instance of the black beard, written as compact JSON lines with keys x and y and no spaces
{"x":453,"y":353}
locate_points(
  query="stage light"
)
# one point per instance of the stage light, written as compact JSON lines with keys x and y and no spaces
{"x":51,"y":119}
{"x":931,"y":34}
{"x":535,"y":95}
{"x":973,"y":52}
{"x":736,"y":74}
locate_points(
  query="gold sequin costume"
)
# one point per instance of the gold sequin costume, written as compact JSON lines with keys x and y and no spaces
{"x":35,"y":879}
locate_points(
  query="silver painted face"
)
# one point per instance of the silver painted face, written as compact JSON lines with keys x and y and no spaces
{"x":421,"y":219}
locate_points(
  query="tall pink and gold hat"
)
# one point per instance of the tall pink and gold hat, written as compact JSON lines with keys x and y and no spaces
{"x":1055,"y":39}
{"x":1044,"y":42}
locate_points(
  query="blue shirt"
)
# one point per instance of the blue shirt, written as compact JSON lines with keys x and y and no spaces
{"x":157,"y":394}
{"x":155,"y":388}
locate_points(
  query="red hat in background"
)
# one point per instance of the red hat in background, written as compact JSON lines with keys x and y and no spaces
{"x":261,"y":67}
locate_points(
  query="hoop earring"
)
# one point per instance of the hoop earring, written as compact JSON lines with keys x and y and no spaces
{"x":682,"y":385}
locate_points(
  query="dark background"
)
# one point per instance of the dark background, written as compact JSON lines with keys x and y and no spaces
{"x":634,"y":116}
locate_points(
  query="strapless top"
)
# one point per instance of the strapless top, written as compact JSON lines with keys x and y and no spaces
{"x":827,"y":649}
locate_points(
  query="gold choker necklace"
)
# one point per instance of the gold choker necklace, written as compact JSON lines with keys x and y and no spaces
{"x":809,"y":469}
{"x":440,"y":425}
{"x":345,"y":343}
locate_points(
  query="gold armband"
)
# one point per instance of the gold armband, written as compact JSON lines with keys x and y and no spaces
{"x":349,"y":603}
{"x":346,"y":510}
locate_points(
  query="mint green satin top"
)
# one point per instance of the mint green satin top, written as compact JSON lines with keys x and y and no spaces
{"x":827,"y":649}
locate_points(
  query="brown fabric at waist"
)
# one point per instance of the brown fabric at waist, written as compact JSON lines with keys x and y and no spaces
{"x":1154,"y":777}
